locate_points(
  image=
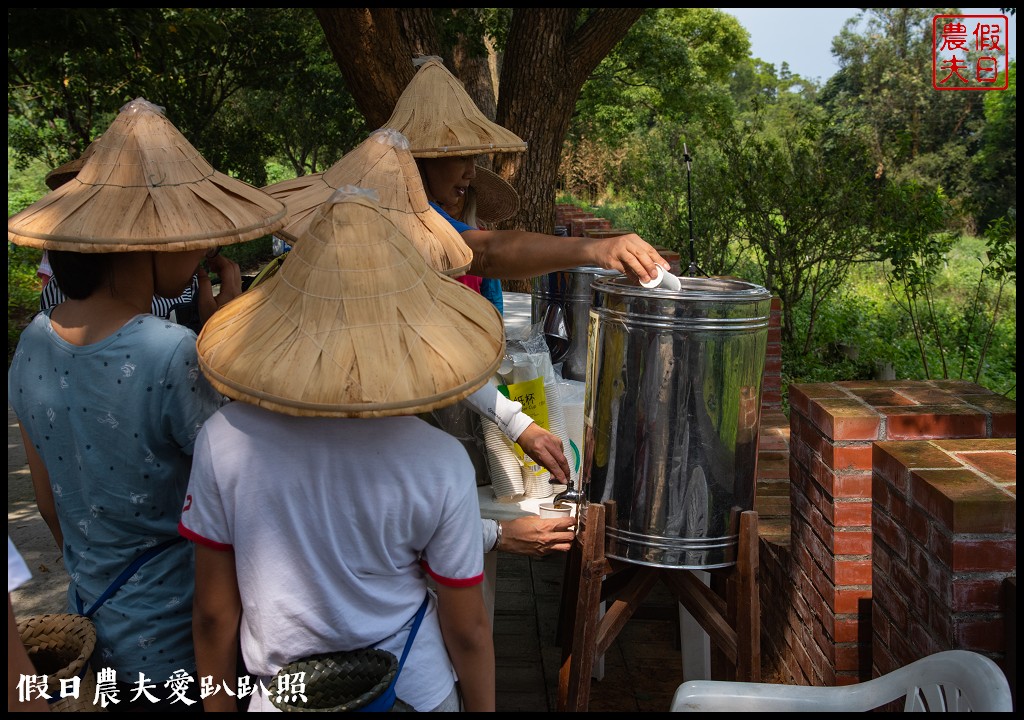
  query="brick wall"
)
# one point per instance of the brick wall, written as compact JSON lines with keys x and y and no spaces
{"x":816,"y":593}
{"x":944,"y":524}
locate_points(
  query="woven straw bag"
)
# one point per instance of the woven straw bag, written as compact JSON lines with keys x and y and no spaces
{"x":60,"y":646}
{"x":340,"y":681}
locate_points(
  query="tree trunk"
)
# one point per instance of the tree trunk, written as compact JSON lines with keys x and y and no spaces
{"x":374,"y":53}
{"x":547,"y":59}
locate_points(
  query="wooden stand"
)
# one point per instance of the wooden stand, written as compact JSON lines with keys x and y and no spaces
{"x":728,"y":610}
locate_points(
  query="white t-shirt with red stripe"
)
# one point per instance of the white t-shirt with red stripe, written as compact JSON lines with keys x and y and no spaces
{"x":335,"y":524}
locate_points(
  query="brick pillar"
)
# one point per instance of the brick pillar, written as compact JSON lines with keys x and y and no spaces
{"x":771,"y":501}
{"x":771,"y":390}
{"x":944,"y":522}
{"x":579,"y":224}
{"x":832,"y":429}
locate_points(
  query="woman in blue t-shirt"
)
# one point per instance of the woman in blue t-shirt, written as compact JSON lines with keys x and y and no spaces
{"x":110,"y":398}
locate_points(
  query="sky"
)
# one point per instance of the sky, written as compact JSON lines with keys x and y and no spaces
{"x":803,"y":36}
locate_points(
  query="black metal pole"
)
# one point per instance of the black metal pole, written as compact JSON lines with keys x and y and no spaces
{"x":692,"y":270}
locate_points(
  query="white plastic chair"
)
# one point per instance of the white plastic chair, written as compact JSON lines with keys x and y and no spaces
{"x":948,"y":681}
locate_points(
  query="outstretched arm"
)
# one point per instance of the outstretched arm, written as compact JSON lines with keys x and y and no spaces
{"x":519,"y":255}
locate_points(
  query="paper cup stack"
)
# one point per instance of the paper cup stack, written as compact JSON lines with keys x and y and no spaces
{"x":504,"y":467}
{"x":559,"y":427}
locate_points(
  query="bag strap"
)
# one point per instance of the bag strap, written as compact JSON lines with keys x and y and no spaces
{"x":412,"y":635}
{"x":126,"y":574}
{"x":386,"y":700}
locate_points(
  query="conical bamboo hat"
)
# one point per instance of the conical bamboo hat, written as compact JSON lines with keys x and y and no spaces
{"x":496,"y":200}
{"x":144,"y":187}
{"x":354,"y":324}
{"x":381,"y":163}
{"x":441,"y":120}
{"x":61,"y":174}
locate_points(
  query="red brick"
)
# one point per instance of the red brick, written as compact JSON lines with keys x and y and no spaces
{"x":954,"y":445}
{"x":853,"y":514}
{"x":960,"y":388}
{"x":853,"y":571}
{"x":848,"y":456}
{"x":985,"y":555}
{"x":933,"y":421}
{"x":852,"y":485}
{"x":977,"y":595}
{"x":927,"y":394}
{"x":890,"y":533}
{"x":999,"y":466}
{"x":940,"y":625}
{"x":981,"y":635}
{"x":906,"y":584}
{"x":1004,"y":426}
{"x":877,"y":396}
{"x":852,"y":542}
{"x":847,"y":629}
{"x":847,"y":659}
{"x":845,"y":419}
{"x":1002,"y":411}
{"x":881,"y":561}
{"x":940,"y":545}
{"x":848,"y":600}
{"x":964,"y":502}
{"x":889,"y":603}
{"x":913,"y":454}
{"x":802,"y":394}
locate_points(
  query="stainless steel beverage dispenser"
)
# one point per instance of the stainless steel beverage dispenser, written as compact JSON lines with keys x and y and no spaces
{"x":673,"y":399}
{"x":561,"y":300}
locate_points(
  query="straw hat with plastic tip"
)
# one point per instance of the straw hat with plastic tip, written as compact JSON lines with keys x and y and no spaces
{"x":496,"y":200}
{"x":354,"y":324}
{"x":145,"y":188}
{"x":441,"y":120}
{"x":381,"y":163}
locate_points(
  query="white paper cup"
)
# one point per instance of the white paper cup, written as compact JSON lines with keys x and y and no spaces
{"x":550,"y":510}
{"x":663,"y":280}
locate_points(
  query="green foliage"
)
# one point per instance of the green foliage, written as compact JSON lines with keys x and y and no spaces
{"x":954,"y":306}
{"x":884,"y":86}
{"x":673,"y":66}
{"x":311,"y":120}
{"x":995,"y":165}
{"x":22,"y":292}
{"x":70,"y":71}
{"x":25,"y":185}
{"x":861,"y":332}
{"x":914,"y":247}
{"x":663,"y":190}
{"x":804,"y":196}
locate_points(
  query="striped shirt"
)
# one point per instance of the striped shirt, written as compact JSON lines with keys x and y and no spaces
{"x":52,"y":295}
